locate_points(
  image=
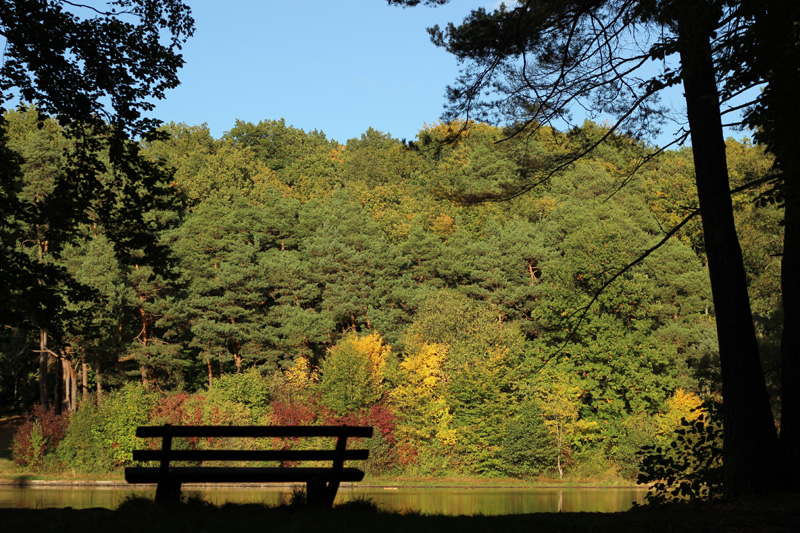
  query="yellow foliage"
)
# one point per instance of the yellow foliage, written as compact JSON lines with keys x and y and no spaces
{"x":336,"y":153}
{"x":424,"y":368}
{"x":456,"y":128}
{"x":544,"y":205}
{"x":419,"y":398}
{"x":680,"y":405}
{"x":376,"y":352}
{"x":300,"y":375}
{"x":444,"y":225}
{"x":354,"y":372}
{"x":558,"y":399}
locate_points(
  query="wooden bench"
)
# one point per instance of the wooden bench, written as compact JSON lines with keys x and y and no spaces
{"x":322,"y":482}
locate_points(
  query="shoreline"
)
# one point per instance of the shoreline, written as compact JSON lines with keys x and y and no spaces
{"x":89,"y":483}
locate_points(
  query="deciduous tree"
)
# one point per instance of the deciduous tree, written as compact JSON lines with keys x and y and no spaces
{"x":528,"y":64}
{"x":96,"y":71}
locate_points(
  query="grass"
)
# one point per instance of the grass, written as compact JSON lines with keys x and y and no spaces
{"x":776,"y":513}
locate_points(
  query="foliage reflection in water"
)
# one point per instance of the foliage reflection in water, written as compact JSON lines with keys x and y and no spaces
{"x":449,"y":501}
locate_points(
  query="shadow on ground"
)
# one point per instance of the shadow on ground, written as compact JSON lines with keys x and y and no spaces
{"x":8,"y":426}
{"x":776,"y":513}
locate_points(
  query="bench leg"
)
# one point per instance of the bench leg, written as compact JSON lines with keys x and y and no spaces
{"x":331,"y":490}
{"x":318,"y":495}
{"x":168,"y":492}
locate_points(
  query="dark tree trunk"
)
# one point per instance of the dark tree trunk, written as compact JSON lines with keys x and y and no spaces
{"x":749,"y":431}
{"x":790,"y":343}
{"x":777,"y":41}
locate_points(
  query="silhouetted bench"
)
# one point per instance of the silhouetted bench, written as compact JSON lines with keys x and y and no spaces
{"x":322,"y":482}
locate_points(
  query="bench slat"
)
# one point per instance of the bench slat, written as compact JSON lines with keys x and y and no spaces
{"x":249,"y":455}
{"x":254,"y":431}
{"x":211,"y":474}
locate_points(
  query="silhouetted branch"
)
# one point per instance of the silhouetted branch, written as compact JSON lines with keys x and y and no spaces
{"x":585,"y":309}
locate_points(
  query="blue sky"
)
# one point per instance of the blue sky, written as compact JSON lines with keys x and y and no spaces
{"x":339,"y":66}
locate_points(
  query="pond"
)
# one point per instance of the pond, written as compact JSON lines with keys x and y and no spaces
{"x":426,"y":500}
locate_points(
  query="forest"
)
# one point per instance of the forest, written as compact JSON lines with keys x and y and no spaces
{"x":280,"y":277}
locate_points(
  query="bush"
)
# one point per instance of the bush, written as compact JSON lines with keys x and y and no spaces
{"x":215,"y":410}
{"x":353,"y":373}
{"x":83,"y":447}
{"x":432,"y":460}
{"x":125,"y":410}
{"x":38,"y":437}
{"x":248,"y":388}
{"x":628,"y":437}
{"x":690,"y":468}
{"x":293,"y":413}
{"x":382,"y":450}
{"x":180,"y":408}
{"x":590,"y":462}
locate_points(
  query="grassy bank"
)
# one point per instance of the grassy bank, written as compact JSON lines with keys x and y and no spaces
{"x":777,"y":513}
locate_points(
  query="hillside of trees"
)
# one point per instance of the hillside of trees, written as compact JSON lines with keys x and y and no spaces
{"x":286,"y":278}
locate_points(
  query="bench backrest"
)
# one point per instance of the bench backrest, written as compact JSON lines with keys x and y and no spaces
{"x":253,"y":431}
{"x":337,"y":455}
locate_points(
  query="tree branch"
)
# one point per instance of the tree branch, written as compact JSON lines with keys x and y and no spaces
{"x":584,"y":310}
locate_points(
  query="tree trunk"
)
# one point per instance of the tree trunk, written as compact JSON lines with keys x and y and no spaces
{"x":43,"y":367}
{"x":67,"y":385}
{"x":145,"y":381}
{"x":782,"y":95}
{"x":84,"y":380}
{"x":42,"y":333}
{"x":70,"y":385}
{"x":749,"y":430}
{"x":790,"y":342}
{"x":58,"y":395}
{"x":778,"y":53}
{"x":785,"y":84}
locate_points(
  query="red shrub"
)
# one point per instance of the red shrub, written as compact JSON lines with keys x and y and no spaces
{"x":53,"y":427}
{"x":173,"y":409}
{"x":378,"y":416}
{"x":293,"y":414}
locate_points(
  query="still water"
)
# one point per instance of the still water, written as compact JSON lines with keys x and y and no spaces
{"x":449,"y":501}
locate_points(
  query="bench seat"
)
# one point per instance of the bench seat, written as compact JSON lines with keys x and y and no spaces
{"x":245,"y":474}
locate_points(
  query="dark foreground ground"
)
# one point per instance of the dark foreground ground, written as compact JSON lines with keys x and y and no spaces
{"x":777,"y":513}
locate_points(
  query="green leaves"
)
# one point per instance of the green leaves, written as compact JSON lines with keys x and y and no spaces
{"x":353,"y":373}
{"x":80,"y":65}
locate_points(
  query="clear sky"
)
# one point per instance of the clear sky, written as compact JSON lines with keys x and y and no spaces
{"x":338,"y":66}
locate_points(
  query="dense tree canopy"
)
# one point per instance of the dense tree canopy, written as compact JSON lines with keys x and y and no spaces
{"x":449,"y":326}
{"x":530,"y":63}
